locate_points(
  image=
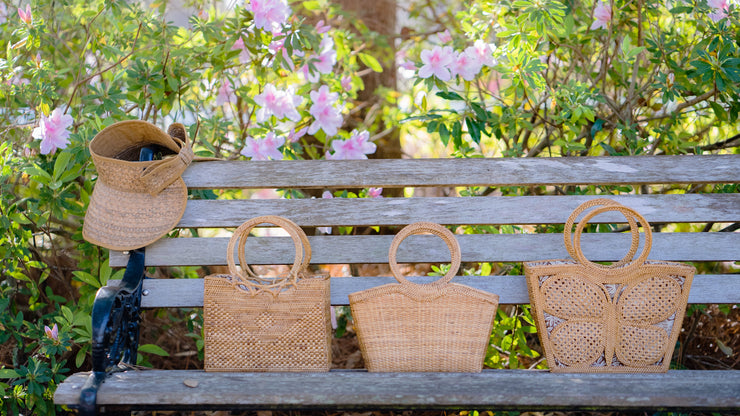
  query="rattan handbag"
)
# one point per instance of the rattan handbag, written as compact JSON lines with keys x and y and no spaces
{"x":261,"y":324}
{"x":437,"y":326}
{"x":618,"y":318}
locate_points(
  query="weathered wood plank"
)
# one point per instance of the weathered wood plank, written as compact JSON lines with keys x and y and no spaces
{"x":473,"y":210}
{"x":429,"y":249}
{"x":464,"y":172}
{"x":353,"y":390}
{"x":512,"y":290}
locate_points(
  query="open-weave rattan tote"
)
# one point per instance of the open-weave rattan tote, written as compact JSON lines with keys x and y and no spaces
{"x":437,"y":326}
{"x":261,"y":324}
{"x":618,"y":318}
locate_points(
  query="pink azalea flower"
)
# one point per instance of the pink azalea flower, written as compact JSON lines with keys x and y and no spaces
{"x":323,"y":63}
{"x":225,"y":93}
{"x":321,"y":27}
{"x":720,"y":9}
{"x":270,"y":14}
{"x":264,"y":149}
{"x":466,"y":65}
{"x":407,"y":65}
{"x":356,"y":147}
{"x":327,"y":118}
{"x":323,"y":97}
{"x":52,"y":333}
{"x":437,"y":62}
{"x":281,"y":104}
{"x":375,"y":192}
{"x":327,"y":195}
{"x":494,"y":83}
{"x":602,"y":15}
{"x":294,"y":136}
{"x":278,"y":46}
{"x":26,"y":16}
{"x":346,"y":83}
{"x":239,"y":46}
{"x":53,"y":131}
{"x":483,"y":51}
{"x":289,"y":101}
{"x":445,"y":36}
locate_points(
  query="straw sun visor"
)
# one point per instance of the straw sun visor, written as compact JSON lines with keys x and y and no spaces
{"x":135,"y":203}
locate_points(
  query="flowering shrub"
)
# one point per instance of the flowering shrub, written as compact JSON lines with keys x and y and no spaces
{"x":577,"y":78}
{"x":266,"y":80}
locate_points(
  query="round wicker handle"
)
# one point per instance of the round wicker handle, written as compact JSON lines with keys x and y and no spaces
{"x":245,"y":276}
{"x":420,"y":228}
{"x":618,"y":267}
{"x":568,"y":238}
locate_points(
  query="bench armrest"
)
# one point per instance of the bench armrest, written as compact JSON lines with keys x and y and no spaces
{"x":115,"y":321}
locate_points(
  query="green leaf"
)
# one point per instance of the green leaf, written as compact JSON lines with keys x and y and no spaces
{"x":153,"y":349}
{"x":86,"y":278}
{"x":38,"y":174}
{"x":450,"y":95}
{"x":81,"y":354}
{"x":718,"y":111}
{"x":8,"y":373}
{"x":444,"y":134}
{"x":609,"y":149}
{"x":724,"y":348}
{"x":681,"y":9}
{"x":598,"y":125}
{"x":60,"y":165}
{"x":473,"y":130}
{"x":371,"y":62}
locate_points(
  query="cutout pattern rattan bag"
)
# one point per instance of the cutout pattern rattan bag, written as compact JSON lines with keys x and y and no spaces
{"x":618,"y":318}
{"x":437,"y":326}
{"x":253,"y":323}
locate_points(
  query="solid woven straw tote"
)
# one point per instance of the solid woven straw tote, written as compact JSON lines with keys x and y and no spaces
{"x":264,"y":324}
{"x":618,"y":318}
{"x":437,"y":326}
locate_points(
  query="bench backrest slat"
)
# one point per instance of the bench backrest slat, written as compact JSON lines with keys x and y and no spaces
{"x":463,"y":172}
{"x":188,"y":293}
{"x":429,"y":249}
{"x":455,"y":210}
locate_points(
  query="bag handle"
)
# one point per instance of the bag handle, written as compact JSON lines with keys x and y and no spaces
{"x":568,"y":238}
{"x":246,"y":277}
{"x":420,"y":228}
{"x":633,"y":217}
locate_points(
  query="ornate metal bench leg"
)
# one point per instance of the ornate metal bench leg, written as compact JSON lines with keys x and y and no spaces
{"x":115,"y":319}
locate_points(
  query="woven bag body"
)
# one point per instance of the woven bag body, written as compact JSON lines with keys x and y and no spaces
{"x":259,"y":324}
{"x":622,"y":318}
{"x":438,"y":326}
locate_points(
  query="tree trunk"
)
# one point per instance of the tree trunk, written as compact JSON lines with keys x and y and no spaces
{"x":379,"y":16}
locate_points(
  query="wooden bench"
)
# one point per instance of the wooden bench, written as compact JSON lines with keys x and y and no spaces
{"x":523,"y":390}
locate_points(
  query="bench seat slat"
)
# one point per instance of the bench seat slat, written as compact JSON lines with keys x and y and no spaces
{"x":463,"y":172}
{"x":429,"y":249}
{"x":444,"y":210}
{"x":690,"y":390}
{"x":173,"y":293}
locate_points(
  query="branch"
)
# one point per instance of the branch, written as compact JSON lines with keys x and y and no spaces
{"x":724,"y":144}
{"x":123,"y":58}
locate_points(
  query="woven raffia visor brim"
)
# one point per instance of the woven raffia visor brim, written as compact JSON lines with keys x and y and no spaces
{"x":120,"y":220}
{"x":123,"y":213}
